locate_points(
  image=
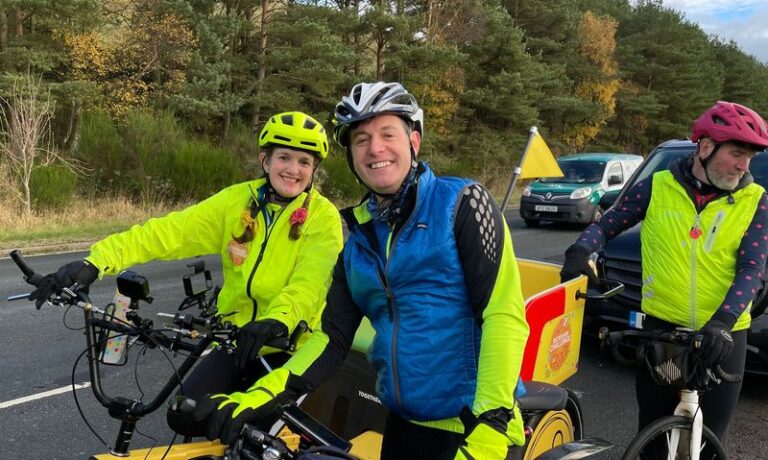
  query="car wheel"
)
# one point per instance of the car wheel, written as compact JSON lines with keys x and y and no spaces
{"x":531,"y":223}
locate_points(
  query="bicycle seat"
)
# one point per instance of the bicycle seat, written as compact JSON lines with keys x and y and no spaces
{"x":543,"y":396}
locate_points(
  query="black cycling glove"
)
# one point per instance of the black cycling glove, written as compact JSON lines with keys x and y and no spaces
{"x":717,"y":342}
{"x":80,"y":271}
{"x":577,"y":263}
{"x":253,"y":336}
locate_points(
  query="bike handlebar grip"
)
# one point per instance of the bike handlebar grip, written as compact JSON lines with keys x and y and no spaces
{"x":725,"y":376}
{"x":29,"y":275}
{"x":183,"y":405}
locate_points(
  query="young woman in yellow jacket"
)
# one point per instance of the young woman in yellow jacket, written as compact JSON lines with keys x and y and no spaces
{"x":278,"y":239}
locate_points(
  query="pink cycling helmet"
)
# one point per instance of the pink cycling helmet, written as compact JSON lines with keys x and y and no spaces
{"x":727,"y":121}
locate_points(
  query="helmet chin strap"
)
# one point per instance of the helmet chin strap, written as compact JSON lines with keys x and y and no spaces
{"x":705,"y":161}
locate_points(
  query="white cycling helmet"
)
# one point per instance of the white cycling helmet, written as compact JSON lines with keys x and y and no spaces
{"x":367,"y":100}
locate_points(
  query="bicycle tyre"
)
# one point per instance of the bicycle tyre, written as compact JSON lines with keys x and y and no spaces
{"x":663,"y":426}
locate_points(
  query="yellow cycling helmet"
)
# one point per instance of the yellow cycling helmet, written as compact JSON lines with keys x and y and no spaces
{"x":296,"y":130}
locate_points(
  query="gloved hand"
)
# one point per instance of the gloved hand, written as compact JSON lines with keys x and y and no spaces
{"x":577,"y":263}
{"x":485,"y":436}
{"x":717,"y":343}
{"x":253,"y":336}
{"x":225,"y":415}
{"x":80,"y":271}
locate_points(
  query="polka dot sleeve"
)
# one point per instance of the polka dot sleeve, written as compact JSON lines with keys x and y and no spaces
{"x":479,"y":231}
{"x":622,"y":216}
{"x":750,"y":263}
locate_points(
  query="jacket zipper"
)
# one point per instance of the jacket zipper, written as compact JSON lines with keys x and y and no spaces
{"x":695,"y":234}
{"x":267,"y":234}
{"x":391,"y":241}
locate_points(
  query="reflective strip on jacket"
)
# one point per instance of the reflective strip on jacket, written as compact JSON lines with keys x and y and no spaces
{"x":290,"y":281}
{"x":685,"y":279}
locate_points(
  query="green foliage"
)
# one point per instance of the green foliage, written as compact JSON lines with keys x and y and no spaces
{"x":152,"y":157}
{"x":745,"y":77}
{"x":102,"y":149}
{"x":243,"y":143}
{"x":305,"y":62}
{"x":502,"y":80}
{"x":336,"y":181}
{"x":663,"y":56}
{"x":52,"y":186}
{"x":200,"y":170}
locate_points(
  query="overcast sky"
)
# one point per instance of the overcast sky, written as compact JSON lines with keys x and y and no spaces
{"x":743,"y":21}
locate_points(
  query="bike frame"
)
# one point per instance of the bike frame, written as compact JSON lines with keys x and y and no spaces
{"x":688,"y":407}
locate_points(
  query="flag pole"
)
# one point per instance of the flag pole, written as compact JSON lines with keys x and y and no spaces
{"x":518,"y":169}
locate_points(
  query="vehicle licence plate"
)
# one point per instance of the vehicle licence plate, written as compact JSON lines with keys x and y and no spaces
{"x":545,"y":208}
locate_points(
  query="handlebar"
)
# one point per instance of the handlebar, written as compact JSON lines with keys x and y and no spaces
{"x":29,"y":275}
{"x":266,"y":445}
{"x":614,"y":288}
{"x":689,"y":339}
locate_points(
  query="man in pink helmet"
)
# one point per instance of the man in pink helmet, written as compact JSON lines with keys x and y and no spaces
{"x":704,"y":242}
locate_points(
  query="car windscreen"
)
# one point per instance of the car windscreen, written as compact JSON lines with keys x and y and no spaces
{"x":662,"y":159}
{"x":578,"y":172}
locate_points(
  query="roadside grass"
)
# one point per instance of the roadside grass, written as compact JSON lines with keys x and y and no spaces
{"x":74,"y":226}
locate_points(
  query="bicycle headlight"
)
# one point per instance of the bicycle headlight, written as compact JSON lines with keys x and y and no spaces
{"x":527,"y":190}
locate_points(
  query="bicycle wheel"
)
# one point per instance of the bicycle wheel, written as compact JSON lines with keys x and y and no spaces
{"x":653,"y":442}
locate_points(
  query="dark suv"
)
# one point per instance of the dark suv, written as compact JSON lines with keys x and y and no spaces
{"x":620,"y":259}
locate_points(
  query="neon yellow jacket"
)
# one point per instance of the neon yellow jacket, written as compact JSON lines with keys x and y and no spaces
{"x":685,"y":279}
{"x":288,"y":284}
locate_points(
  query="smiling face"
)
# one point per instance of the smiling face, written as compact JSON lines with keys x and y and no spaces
{"x":289,"y":170}
{"x":381,"y":152}
{"x":729,"y":164}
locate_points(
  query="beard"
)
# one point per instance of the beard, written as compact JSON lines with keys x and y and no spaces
{"x":722,"y":180}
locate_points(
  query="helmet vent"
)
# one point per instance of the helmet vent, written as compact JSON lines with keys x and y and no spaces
{"x":720,"y":121}
{"x":287,"y":119}
{"x":278,"y":137}
{"x":311,"y":144}
{"x":309,"y":124}
{"x":402,"y":99}
{"x":376,"y":99}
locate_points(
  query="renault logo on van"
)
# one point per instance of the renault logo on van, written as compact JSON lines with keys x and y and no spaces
{"x":548,"y":195}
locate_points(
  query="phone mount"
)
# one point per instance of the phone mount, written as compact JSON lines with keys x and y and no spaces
{"x":196,"y":286}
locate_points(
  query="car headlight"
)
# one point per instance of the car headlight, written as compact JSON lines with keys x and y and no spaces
{"x":527,"y":190}
{"x":581,"y":193}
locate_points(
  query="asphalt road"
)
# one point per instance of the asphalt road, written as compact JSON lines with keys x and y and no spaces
{"x":38,"y":353}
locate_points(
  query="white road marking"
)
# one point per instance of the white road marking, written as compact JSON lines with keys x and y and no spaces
{"x":44,"y":394}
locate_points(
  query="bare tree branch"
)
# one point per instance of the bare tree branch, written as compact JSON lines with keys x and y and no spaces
{"x":25,"y":135}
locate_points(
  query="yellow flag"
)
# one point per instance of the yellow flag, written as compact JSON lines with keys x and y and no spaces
{"x":538,"y":160}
